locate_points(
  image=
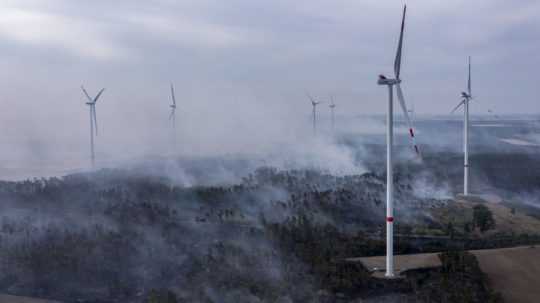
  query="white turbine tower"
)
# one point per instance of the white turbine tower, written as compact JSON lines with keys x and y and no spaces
{"x":332,"y":107}
{"x":314,"y":104}
{"x":389,"y":141}
{"x":467,"y":96}
{"x":93,"y":121}
{"x":172,"y":117}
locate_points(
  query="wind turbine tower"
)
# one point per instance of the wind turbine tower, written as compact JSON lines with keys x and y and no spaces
{"x":390,"y":83}
{"x":93,"y":121}
{"x":314,"y":104}
{"x":467,"y":97}
{"x":332,"y":107}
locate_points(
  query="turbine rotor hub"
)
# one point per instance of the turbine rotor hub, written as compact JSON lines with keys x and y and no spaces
{"x":385,"y":81}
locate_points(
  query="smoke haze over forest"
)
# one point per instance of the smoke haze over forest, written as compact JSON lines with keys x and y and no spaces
{"x":241,"y":76}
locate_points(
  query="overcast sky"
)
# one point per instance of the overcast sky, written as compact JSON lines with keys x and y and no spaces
{"x":231,"y":58}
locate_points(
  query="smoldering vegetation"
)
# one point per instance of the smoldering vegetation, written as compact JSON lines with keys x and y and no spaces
{"x":113,"y":235}
{"x":117,"y":236}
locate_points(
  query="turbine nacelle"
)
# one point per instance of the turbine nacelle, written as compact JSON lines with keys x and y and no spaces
{"x":385,"y":81}
{"x":313,"y":102}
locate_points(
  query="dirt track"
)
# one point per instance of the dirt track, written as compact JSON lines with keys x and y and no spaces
{"x":514,"y":272}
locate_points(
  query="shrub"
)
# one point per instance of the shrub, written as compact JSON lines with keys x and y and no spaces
{"x":483,"y":218}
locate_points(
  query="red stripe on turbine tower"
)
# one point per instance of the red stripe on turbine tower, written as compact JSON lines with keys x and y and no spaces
{"x":390,"y":219}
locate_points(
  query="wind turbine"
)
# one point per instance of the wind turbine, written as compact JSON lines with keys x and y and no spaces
{"x":389,"y":147}
{"x":493,"y":113}
{"x":332,"y":107}
{"x":93,"y":121}
{"x":314,"y":104}
{"x":172,"y":116}
{"x":467,"y":96}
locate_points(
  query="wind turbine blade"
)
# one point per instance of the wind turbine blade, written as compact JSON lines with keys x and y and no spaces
{"x":311,"y":98}
{"x":402,"y":104}
{"x":397,"y":62}
{"x":99,"y":95}
{"x":172,"y":95}
{"x":406,"y":114}
{"x":458,"y":106}
{"x":469,"y":81}
{"x":86,"y":94}
{"x":95,"y":118}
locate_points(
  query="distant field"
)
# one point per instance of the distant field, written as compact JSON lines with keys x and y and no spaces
{"x":513,"y":272}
